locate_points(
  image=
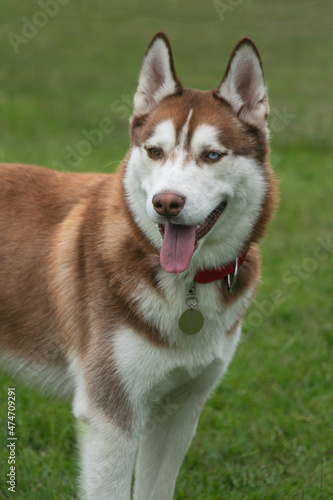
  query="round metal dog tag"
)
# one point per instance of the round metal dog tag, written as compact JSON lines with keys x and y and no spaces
{"x":191,"y":321}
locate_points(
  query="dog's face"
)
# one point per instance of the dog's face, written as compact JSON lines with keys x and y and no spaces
{"x":197,"y":174}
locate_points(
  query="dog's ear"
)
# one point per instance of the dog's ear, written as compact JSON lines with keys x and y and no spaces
{"x":158,"y":78}
{"x":243,"y":85}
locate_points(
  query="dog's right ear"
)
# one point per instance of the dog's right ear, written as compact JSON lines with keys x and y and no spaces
{"x":158,"y":78}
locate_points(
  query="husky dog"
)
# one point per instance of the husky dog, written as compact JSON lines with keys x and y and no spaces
{"x":126,"y":291}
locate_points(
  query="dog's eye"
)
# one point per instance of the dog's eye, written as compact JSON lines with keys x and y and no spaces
{"x":154,"y":153}
{"x":213,"y":155}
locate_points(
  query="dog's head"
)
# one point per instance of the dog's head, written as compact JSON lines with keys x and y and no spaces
{"x":197,"y":178}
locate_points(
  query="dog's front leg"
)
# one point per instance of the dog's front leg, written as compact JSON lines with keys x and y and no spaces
{"x":168,"y":436}
{"x":107,"y":459}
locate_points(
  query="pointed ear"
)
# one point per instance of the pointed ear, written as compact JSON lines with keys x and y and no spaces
{"x":158,"y":78}
{"x":243,"y":85}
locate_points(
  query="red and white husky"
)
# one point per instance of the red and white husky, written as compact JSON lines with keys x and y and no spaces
{"x":127,"y":291}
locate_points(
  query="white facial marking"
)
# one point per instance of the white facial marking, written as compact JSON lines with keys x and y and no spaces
{"x":237,"y":180}
{"x":205,"y":138}
{"x":164,"y":136}
{"x":184,"y":131}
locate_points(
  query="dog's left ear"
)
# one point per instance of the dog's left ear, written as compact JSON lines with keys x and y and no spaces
{"x":243,"y":85}
{"x":158,"y":78}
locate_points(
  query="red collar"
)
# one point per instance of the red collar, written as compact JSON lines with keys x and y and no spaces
{"x":209,"y":275}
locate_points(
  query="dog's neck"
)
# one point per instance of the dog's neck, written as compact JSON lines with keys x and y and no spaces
{"x":209,"y":275}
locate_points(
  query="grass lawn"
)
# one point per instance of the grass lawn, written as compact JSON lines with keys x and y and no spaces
{"x":266,"y":434}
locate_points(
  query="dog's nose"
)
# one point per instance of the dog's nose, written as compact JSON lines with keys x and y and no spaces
{"x":168,"y":203}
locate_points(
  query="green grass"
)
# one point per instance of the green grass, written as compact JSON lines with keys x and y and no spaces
{"x":266,"y":434}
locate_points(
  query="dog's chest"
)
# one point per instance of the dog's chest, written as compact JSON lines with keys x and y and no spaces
{"x":163,"y":307}
{"x":150,"y":371}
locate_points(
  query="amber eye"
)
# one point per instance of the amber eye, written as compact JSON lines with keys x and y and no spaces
{"x":154,"y":153}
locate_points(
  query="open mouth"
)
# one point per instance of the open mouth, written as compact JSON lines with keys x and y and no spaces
{"x":209,"y":222}
{"x":205,"y":226}
{"x":180,"y":241}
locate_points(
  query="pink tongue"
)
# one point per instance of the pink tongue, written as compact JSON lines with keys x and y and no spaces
{"x":177,"y":247}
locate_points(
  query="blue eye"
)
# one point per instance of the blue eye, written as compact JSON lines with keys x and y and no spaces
{"x":212,"y":155}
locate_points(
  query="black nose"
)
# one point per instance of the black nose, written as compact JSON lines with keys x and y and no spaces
{"x":168,"y":203}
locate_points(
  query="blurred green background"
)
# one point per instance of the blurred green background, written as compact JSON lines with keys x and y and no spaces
{"x":69,"y":68}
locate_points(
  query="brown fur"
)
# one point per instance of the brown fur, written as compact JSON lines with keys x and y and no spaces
{"x":75,"y":266}
{"x":72,"y":260}
{"x":238,"y":137}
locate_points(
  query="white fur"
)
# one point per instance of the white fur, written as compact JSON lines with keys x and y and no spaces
{"x":151,"y":372}
{"x":205,"y":138}
{"x":235,"y":179}
{"x":179,"y":379}
{"x":107,"y":454}
{"x":164,"y":136}
{"x":168,"y":386}
{"x":167,"y":390}
{"x":184,"y":131}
